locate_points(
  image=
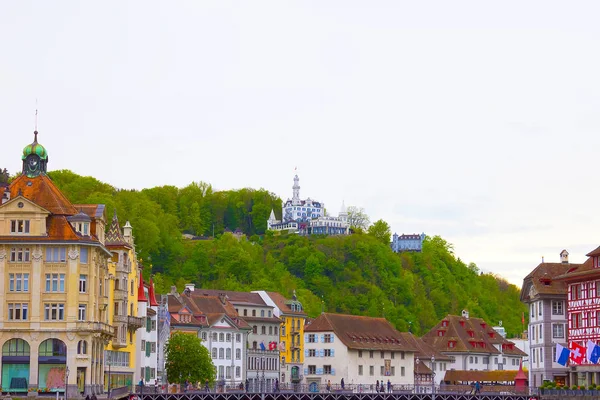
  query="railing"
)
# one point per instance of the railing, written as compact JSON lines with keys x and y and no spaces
{"x":135,"y":322}
{"x":120,"y":392}
{"x":90,"y":326}
{"x":120,"y":294}
{"x":123,"y":267}
{"x":120,"y":319}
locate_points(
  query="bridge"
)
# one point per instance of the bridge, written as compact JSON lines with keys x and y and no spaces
{"x":330,"y":396}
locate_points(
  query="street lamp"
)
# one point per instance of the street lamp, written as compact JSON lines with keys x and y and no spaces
{"x":417,"y":376}
{"x":432,"y":375}
{"x":66,"y":382}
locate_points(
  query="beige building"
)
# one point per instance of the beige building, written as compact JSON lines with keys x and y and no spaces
{"x":54,"y":317}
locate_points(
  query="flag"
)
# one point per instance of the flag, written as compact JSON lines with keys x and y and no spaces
{"x":262,"y":346}
{"x":593,"y":352}
{"x":577,"y":352}
{"x":562,"y":355}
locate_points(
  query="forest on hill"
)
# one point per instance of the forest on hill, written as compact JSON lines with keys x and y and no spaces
{"x":356,"y":274}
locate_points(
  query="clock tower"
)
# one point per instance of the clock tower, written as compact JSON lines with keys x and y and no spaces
{"x":35,"y":159}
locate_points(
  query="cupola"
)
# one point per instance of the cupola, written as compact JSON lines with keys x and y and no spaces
{"x":81,"y":223}
{"x":35,"y":158}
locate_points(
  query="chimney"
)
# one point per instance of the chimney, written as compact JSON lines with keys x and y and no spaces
{"x":465,"y":314}
{"x":564,"y":257}
{"x":174,"y":290}
{"x":190,"y":286}
{"x":222,"y":297}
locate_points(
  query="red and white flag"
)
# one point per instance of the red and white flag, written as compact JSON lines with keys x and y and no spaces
{"x":577,"y":352}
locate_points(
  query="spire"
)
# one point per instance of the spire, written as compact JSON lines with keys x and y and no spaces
{"x":272,"y":216}
{"x":141,"y":294}
{"x":296,"y":190}
{"x":151,"y":295}
{"x":114,"y":236}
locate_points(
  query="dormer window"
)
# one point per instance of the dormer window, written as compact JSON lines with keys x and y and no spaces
{"x":483,"y":325}
{"x":19,"y":226}
{"x":471,"y":333}
{"x":451,"y":344}
{"x":491,"y":334}
{"x":83,"y":228}
{"x":441,"y":333}
{"x":462,"y":323}
{"x":444,"y":323}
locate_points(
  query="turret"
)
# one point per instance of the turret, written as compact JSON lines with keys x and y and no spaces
{"x":296,"y":191}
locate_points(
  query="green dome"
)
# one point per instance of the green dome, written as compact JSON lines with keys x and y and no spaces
{"x":35,"y":148}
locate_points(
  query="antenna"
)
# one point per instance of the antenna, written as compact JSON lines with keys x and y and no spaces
{"x":36,"y":113}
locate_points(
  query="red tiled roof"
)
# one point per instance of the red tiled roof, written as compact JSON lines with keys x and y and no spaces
{"x":544,"y":280}
{"x":233,"y":296}
{"x":459,"y":330}
{"x":580,"y":272}
{"x":151,"y":295}
{"x":358,"y":332}
{"x":42,"y":191}
{"x":424,"y":350}
{"x":281,"y":301}
{"x":141,"y":293}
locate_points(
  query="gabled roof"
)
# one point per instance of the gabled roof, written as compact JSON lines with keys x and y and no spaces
{"x":114,"y":237}
{"x":457,"y":331}
{"x":580,"y":272}
{"x":151,"y":295}
{"x":42,"y":191}
{"x":281,"y":303}
{"x":249,"y":298}
{"x":543,"y":280}
{"x":363,"y":333}
{"x":423,"y":350}
{"x":141,"y":293}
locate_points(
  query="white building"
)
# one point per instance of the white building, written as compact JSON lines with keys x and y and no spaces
{"x":472,"y":344}
{"x":262,"y":356}
{"x":361,"y":350}
{"x":308,"y":217}
{"x":147,"y":337}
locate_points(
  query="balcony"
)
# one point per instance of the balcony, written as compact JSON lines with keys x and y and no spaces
{"x":296,"y":378}
{"x":295,"y":331}
{"x":123,"y":267}
{"x":120,"y":294}
{"x":120,"y":319}
{"x":106,"y":331}
{"x":118,"y":342}
{"x":134,"y":323}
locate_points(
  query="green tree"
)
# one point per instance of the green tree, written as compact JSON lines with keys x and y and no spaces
{"x":381,"y":231}
{"x":358,"y":218}
{"x":188,"y":360}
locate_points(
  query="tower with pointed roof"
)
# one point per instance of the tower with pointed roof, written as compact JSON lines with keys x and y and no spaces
{"x":54,"y":292}
{"x":124,"y":311}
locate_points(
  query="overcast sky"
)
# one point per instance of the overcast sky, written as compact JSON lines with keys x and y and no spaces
{"x":474,"y":121}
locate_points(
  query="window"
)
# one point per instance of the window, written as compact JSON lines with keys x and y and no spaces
{"x":486,"y":360}
{"x":19,"y":254}
{"x":238,"y":372}
{"x":262,"y":313}
{"x":402,"y":371}
{"x":328,"y":353}
{"x":17,"y":311}
{"x":238,"y":354}
{"x":392,"y":355}
{"x":56,"y":254}
{"x":360,"y":369}
{"x":540,"y":332}
{"x":228,"y":337}
{"x":371,"y":370}
{"x":54,"y":312}
{"x":221,"y":337}
{"x":312,"y":338}
{"x":238,"y":337}
{"x":214,"y":352}
{"x":245,"y":312}
{"x":557,"y":308}
{"x":254,"y":313}
{"x":83,"y":255}
{"x":19,"y":226}
{"x":221,"y":354}
{"x":18,"y":282}
{"x":540,"y":308}
{"x":275,"y":331}
{"x":263,"y":330}
{"x":327,"y":369}
{"x":328,"y":338}
{"x":393,"y":371}
{"x":312,"y":353}
{"x":576,"y":320}
{"x":228,"y":354}
{"x":82,"y":283}
{"x":55,"y":282}
{"x":381,"y":370}
{"x":371,"y":353}
{"x":82,"y":347}
{"x":270,"y":330}
{"x":254,"y":329}
{"x":312,"y":369}
{"x":214,"y":336}
{"x":402,"y":355}
{"x":576,"y":292}
{"x":383,"y":354}
{"x":269,"y":313}
{"x":471,"y":360}
{"x":81,"y":314}
{"x":360,"y":354}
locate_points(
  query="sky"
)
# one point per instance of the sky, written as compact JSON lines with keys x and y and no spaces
{"x":476,"y":121}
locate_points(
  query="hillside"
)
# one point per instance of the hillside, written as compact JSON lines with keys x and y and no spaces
{"x":356,"y":274}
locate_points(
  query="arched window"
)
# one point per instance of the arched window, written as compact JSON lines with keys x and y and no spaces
{"x":214,"y":352}
{"x":82,"y":347}
{"x":254,"y":313}
{"x":228,"y":354}
{"x":53,"y":348}
{"x":16,"y":348}
{"x":229,"y":337}
{"x":221,"y":337}
{"x":270,"y":330}
{"x":131,"y":309}
{"x":262,"y":313}
{"x":131,"y":287}
{"x":238,"y":354}
{"x":254,"y":330}
{"x":263,"y":330}
{"x":221,"y":354}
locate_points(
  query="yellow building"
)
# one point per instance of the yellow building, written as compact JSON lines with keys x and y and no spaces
{"x":54,"y":321}
{"x":123,"y":271}
{"x":291,"y":345}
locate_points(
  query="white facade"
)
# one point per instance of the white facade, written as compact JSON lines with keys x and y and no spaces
{"x":147,"y":343}
{"x":327,"y":358}
{"x":227,"y":347}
